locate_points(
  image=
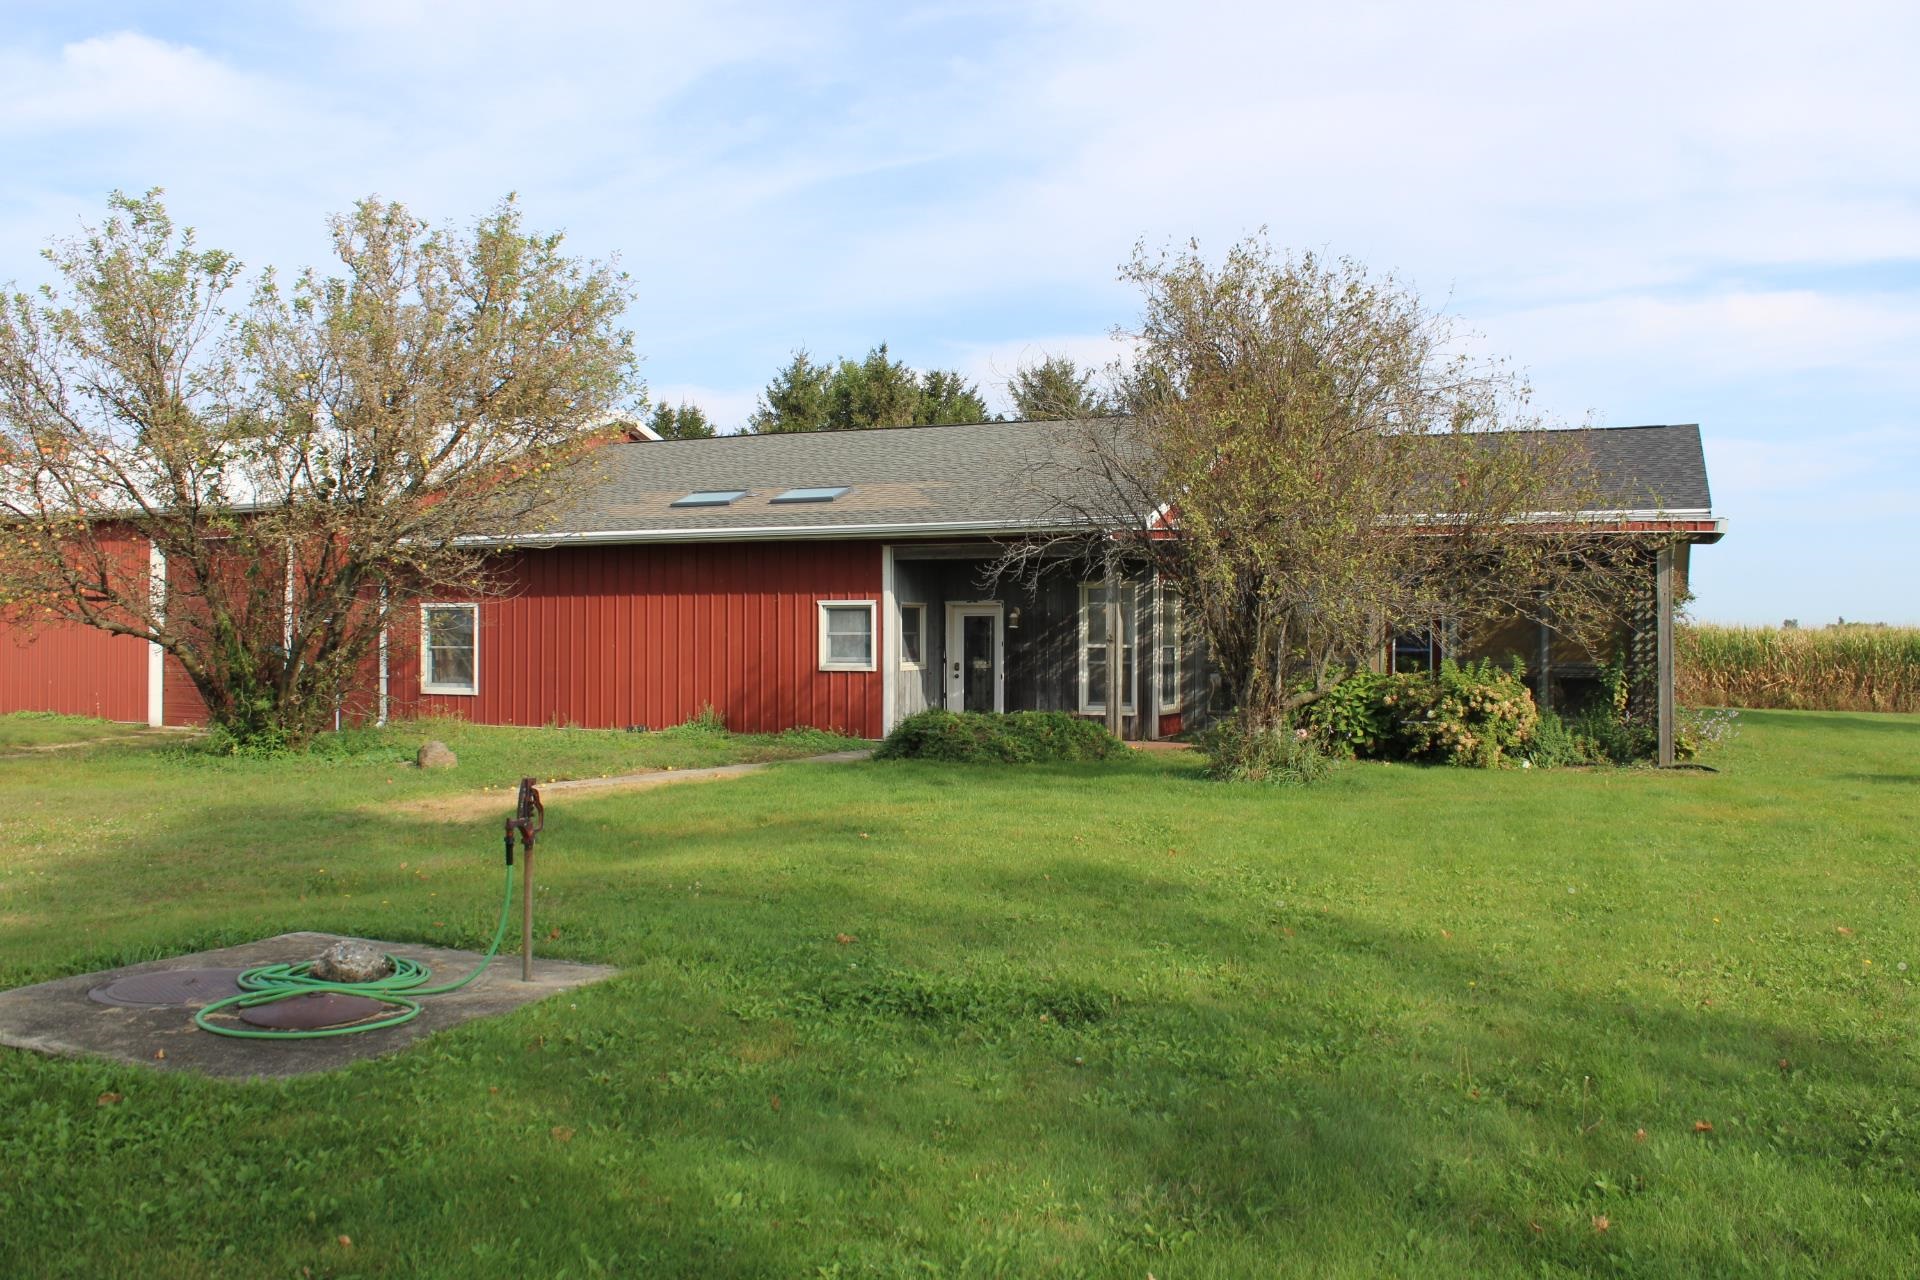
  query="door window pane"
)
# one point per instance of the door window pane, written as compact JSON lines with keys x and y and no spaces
{"x":976,"y":662}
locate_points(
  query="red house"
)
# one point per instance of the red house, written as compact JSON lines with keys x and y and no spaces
{"x":833,"y":580}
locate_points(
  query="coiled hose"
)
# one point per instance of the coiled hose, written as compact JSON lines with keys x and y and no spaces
{"x":402,"y":989}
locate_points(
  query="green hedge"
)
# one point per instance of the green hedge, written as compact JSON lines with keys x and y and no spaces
{"x":1474,"y":714}
{"x":1017,"y":737}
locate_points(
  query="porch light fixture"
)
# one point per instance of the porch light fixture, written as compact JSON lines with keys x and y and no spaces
{"x":709,"y":498}
{"x":823,"y":493}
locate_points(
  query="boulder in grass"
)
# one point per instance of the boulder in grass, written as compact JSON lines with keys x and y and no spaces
{"x":436,"y":755}
{"x":350,"y":961}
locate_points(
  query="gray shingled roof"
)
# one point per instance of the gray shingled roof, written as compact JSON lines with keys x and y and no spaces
{"x":1651,"y":468}
{"x":974,"y":478}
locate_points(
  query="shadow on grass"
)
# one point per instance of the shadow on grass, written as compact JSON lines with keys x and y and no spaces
{"x":1065,"y":1065}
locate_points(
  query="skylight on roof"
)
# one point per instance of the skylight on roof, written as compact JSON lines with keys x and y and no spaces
{"x":824,"y":493}
{"x":709,"y":498}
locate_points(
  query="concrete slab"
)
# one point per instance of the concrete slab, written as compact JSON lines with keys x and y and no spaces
{"x":57,"y":1017}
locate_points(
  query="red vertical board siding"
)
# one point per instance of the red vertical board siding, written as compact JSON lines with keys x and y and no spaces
{"x":607,"y":637}
{"x":180,"y":702}
{"x":76,"y":670}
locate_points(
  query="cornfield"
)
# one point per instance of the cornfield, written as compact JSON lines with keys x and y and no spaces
{"x":1838,"y":668}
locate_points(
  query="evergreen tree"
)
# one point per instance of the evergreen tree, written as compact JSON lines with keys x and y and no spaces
{"x":1057,"y":389}
{"x":946,"y":397}
{"x":878,"y":391}
{"x":855,"y":395}
{"x":796,"y":399}
{"x":684,"y":422}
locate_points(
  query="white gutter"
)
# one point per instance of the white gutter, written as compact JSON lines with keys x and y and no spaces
{"x":156,"y":656}
{"x":384,"y":620}
{"x":747,"y":533}
{"x":743,"y":533}
{"x":889,"y":647}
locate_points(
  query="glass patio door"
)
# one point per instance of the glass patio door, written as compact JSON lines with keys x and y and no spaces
{"x":975,"y":679}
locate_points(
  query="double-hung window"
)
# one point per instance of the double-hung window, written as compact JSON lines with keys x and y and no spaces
{"x":1416,"y":651}
{"x":913,"y":636}
{"x":1169,"y":656}
{"x":846,"y":635}
{"x":1098,"y":661}
{"x":450,"y":648}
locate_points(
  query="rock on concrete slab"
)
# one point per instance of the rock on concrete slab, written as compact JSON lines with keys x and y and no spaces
{"x":352,"y":961}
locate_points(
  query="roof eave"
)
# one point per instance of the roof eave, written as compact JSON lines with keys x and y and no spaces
{"x":762,"y":533}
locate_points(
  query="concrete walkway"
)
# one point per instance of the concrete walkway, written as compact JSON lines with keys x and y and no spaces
{"x":666,"y":777}
{"x":469,"y":803}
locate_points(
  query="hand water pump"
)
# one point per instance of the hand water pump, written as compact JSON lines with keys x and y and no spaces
{"x":406,"y":982}
{"x":529,"y":816}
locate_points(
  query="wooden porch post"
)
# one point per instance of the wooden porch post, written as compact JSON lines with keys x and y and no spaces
{"x":1544,"y":663}
{"x":1115,"y":660}
{"x":1663,"y":649}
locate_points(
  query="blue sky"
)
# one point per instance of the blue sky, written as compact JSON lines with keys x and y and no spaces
{"x":1664,"y":213}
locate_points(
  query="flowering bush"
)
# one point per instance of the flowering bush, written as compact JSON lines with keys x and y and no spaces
{"x":1472,"y":714}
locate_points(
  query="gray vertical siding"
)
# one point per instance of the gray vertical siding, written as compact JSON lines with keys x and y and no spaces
{"x":1042,"y":640}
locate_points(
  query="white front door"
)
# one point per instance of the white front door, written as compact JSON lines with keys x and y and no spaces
{"x":976,"y":678}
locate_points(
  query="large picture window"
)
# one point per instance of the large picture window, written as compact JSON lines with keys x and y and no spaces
{"x":846,"y":635}
{"x":1097,"y":657}
{"x":450,"y":648}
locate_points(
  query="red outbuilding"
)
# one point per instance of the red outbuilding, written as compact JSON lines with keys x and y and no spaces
{"x":835,"y":580}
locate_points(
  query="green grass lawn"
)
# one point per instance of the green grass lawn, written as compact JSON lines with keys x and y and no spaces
{"x":901,"y":1019}
{"x":23,"y":729}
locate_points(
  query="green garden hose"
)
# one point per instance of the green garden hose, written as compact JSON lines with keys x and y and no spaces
{"x":401,"y":990}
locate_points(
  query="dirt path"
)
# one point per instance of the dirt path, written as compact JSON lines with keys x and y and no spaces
{"x":157,"y":733}
{"x":476,"y":804}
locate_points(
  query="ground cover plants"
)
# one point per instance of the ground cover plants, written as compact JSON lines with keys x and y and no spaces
{"x":917,"y":1018}
{"x":1016,"y":737}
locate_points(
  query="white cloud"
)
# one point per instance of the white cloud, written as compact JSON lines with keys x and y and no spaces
{"x":124,"y":80}
{"x":1740,"y":333}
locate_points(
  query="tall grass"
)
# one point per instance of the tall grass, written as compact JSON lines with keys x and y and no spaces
{"x":1837,"y":668}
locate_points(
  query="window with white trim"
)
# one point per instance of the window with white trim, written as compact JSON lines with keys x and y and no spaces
{"x":913,"y":636}
{"x":846,"y":635}
{"x":1169,"y":657}
{"x":450,"y":648}
{"x":1096,"y":665}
